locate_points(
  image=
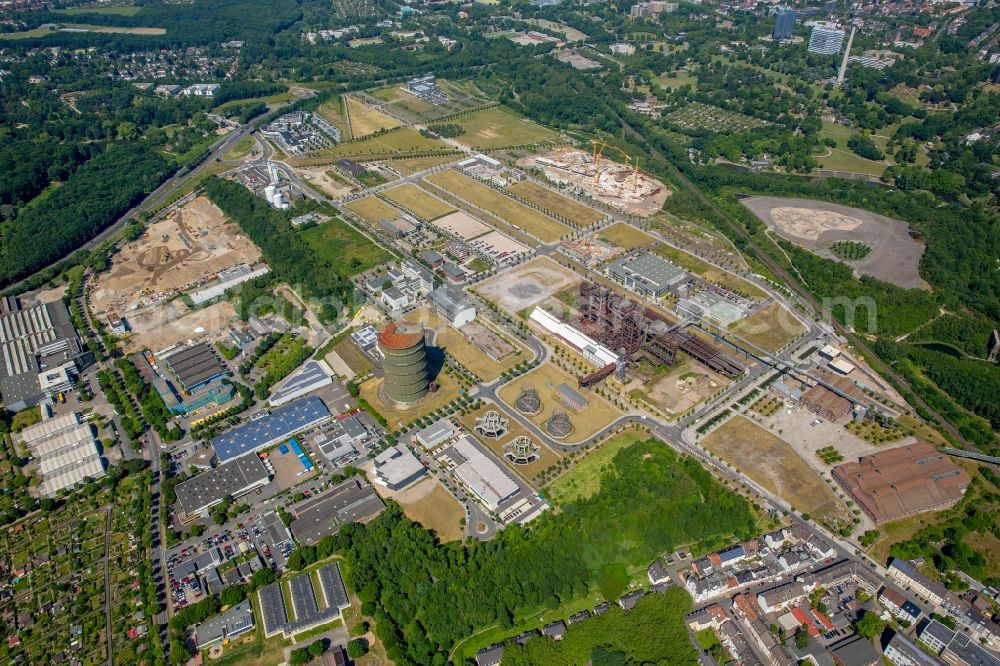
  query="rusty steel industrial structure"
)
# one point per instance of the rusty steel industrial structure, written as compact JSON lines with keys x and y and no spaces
{"x":640,"y":333}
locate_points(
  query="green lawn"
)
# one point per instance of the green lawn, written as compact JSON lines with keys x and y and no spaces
{"x":497,"y":127}
{"x":842,"y":158}
{"x":241,"y":148}
{"x":349,"y":251}
{"x":584,"y":478}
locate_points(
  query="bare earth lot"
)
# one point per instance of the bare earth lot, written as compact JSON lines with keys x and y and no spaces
{"x":816,"y":225}
{"x":773,"y":464}
{"x":684,"y":387}
{"x":169,"y":323}
{"x":527,"y":285}
{"x":186,"y":246}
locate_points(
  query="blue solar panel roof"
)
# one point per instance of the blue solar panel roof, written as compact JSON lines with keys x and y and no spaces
{"x":270,"y":429}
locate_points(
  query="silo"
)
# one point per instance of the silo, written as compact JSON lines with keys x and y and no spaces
{"x":404,"y":361}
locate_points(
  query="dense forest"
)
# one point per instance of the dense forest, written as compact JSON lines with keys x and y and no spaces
{"x":91,"y":199}
{"x":426,"y":596}
{"x":291,"y":258}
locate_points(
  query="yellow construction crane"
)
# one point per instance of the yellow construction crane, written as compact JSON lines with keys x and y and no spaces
{"x":598,"y":150}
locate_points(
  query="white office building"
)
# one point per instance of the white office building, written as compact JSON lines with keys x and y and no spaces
{"x":826,"y":39}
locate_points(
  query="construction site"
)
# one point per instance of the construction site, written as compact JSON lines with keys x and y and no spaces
{"x":189,"y":247}
{"x":639,"y":334}
{"x":596,"y":176}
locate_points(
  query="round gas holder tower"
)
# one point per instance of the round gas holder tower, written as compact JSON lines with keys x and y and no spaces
{"x":404,"y":361}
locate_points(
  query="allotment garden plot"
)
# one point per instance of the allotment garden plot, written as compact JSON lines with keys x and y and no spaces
{"x":698,"y":116}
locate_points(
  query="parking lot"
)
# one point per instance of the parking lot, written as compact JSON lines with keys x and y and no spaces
{"x":190,"y":562}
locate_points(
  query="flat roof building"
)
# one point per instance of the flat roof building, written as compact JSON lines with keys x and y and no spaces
{"x":452,"y":305}
{"x":397,"y":467}
{"x":233,"y":478}
{"x":645,"y":273}
{"x":311,"y":376}
{"x":854,"y":651}
{"x":195,"y":366}
{"x":341,"y":440}
{"x":483,"y":477}
{"x":227,"y":626}
{"x":351,"y":501}
{"x":270,"y":429}
{"x":435,"y":434}
{"x":902,"y":481}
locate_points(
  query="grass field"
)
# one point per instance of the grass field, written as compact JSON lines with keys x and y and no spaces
{"x":352,"y":356}
{"x":335,"y":114}
{"x":415,"y":164}
{"x":365,"y":120}
{"x":241,"y":148}
{"x":583,"y":480}
{"x":545,"y":379}
{"x":626,"y":236}
{"x":396,"y":143}
{"x":348,"y":251}
{"x":529,"y":220}
{"x":677,"y":79}
{"x":414,"y":199}
{"x":556,"y":203}
{"x":373,"y":209}
{"x":83,"y":27}
{"x":773,"y":464}
{"x":436,"y":510}
{"x":842,"y":158}
{"x":494,"y":128}
{"x":269,"y":100}
{"x":770,"y":328}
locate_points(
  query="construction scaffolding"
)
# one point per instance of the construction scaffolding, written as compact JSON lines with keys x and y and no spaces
{"x":639,"y":333}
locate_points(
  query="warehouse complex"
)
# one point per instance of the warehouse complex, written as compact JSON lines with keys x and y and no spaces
{"x":268,"y":429}
{"x":65,"y":450}
{"x":234,"y":478}
{"x":903,"y":481}
{"x":40,"y":352}
{"x":352,"y":501}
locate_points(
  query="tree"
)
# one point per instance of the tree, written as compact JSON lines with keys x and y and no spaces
{"x":317,"y":648}
{"x":357,"y":648}
{"x":869,"y":625}
{"x":233,"y":595}
{"x":802,"y":637}
{"x":299,"y":657}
